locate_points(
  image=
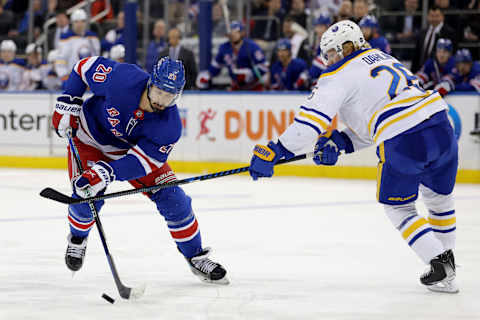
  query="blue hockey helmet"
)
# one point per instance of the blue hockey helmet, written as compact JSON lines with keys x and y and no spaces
{"x":168,"y":75}
{"x":323,"y":20}
{"x":463,"y":55}
{"x":368,"y":21}
{"x":236,"y":25}
{"x":284,"y":44}
{"x":445,"y":44}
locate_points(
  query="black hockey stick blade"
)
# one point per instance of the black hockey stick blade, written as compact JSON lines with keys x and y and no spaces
{"x":53,"y":194}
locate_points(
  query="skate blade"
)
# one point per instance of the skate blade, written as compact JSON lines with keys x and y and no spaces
{"x":445,"y":287}
{"x":224,"y":281}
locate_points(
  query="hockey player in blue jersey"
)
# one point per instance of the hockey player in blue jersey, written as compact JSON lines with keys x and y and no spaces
{"x":125,"y":132}
{"x":436,"y":68}
{"x":382,"y":105}
{"x":288,"y":73}
{"x":244,"y":59}
{"x":369,"y":26}
{"x":464,"y":77}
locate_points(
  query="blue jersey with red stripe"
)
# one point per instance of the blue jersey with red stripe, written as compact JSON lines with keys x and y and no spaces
{"x":432,"y":72}
{"x":250,"y":56}
{"x":285,"y":78}
{"x":138,"y":141}
{"x":469,"y":82}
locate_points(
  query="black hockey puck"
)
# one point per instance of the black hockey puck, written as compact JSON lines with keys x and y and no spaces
{"x":108,"y":298}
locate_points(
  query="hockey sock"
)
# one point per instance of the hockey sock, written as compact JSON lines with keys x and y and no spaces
{"x":416,"y":231}
{"x":186,"y":234}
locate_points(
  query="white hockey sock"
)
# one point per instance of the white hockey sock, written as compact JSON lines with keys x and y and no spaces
{"x":416,"y":231}
{"x":441,"y":215}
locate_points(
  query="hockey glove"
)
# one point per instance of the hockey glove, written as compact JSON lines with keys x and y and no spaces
{"x":265,"y":157}
{"x":329,"y":146}
{"x":243,"y":75}
{"x":67,"y":110}
{"x":93,"y":180}
{"x":443,"y":88}
{"x":203,"y":80}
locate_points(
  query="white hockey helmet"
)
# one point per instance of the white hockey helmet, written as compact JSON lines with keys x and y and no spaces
{"x":78,"y":15}
{"x":32,"y":47}
{"x":117,"y":52}
{"x":338,"y":34}
{"x":53,"y":56}
{"x":8,"y":45}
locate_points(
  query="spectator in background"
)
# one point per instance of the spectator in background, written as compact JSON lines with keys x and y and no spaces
{"x":99,"y":6}
{"x":36,"y":70}
{"x":320,"y":25}
{"x":298,"y":13}
{"x":452,"y":20}
{"x":436,"y":68}
{"x":117,"y":53}
{"x":62,"y":26}
{"x":369,"y":26}
{"x":52,"y":81}
{"x":177,"y":52}
{"x":470,"y":26}
{"x":244,"y":59}
{"x":156,"y":45}
{"x":11,"y":68}
{"x":38,"y":19}
{"x":268,"y":29}
{"x":77,"y":43}
{"x":218,"y":21}
{"x":410,"y":24}
{"x":7,"y":21}
{"x":288,"y":73}
{"x":360,"y":10}
{"x":427,"y":38}
{"x":345,"y":12}
{"x":298,"y":38}
{"x":464,"y":77}
{"x":115,"y":36}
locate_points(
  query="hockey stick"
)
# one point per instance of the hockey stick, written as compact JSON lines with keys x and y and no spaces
{"x":124,"y":291}
{"x":55,"y":195}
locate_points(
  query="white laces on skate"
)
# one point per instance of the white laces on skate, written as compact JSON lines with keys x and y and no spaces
{"x":204,"y":264}
{"x":76,"y":250}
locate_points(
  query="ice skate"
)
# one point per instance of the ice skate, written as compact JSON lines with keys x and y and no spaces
{"x":75,"y":252}
{"x":207,"y":270}
{"x":441,"y":275}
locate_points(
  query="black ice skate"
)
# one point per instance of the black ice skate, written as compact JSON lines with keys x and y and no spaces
{"x":75,"y":252}
{"x":441,"y":275}
{"x":207,"y":270}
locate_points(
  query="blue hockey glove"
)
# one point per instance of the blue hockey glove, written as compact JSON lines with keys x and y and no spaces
{"x":329,"y":146}
{"x":93,"y":180}
{"x":265,"y":157}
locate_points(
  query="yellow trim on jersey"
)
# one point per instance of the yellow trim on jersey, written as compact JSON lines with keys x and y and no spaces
{"x":381,"y":152}
{"x":403,"y":117}
{"x":395,"y":103}
{"x":415,"y":226}
{"x":344,"y":64}
{"x":442,"y":223}
{"x":315,"y":119}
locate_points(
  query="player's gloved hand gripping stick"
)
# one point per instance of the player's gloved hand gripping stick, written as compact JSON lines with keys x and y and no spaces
{"x":124,"y":291}
{"x":55,"y":195}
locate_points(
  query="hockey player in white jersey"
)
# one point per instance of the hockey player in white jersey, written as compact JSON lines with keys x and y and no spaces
{"x":381,"y":104}
{"x":77,"y":43}
{"x":11,"y":68}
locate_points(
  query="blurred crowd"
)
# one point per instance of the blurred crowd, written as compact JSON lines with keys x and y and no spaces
{"x":281,"y":51}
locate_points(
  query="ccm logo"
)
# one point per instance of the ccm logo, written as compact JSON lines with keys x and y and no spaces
{"x":166,"y":149}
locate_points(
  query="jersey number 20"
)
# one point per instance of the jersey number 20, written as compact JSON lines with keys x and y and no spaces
{"x":101,"y":72}
{"x":409,"y":77}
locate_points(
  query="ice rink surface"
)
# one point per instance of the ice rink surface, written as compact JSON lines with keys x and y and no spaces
{"x":294,"y":249}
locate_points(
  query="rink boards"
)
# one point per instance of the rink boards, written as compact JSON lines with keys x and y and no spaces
{"x":219,"y":132}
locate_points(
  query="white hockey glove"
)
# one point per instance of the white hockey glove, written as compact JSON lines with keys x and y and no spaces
{"x":203,"y":80}
{"x":93,"y":180}
{"x":67,"y":110}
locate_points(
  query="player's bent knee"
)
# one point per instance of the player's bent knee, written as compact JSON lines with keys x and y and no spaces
{"x":398,"y":214}
{"x":173,"y":203}
{"x":437,"y":202}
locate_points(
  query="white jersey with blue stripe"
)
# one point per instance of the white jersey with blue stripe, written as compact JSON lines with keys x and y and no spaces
{"x":375,"y":96}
